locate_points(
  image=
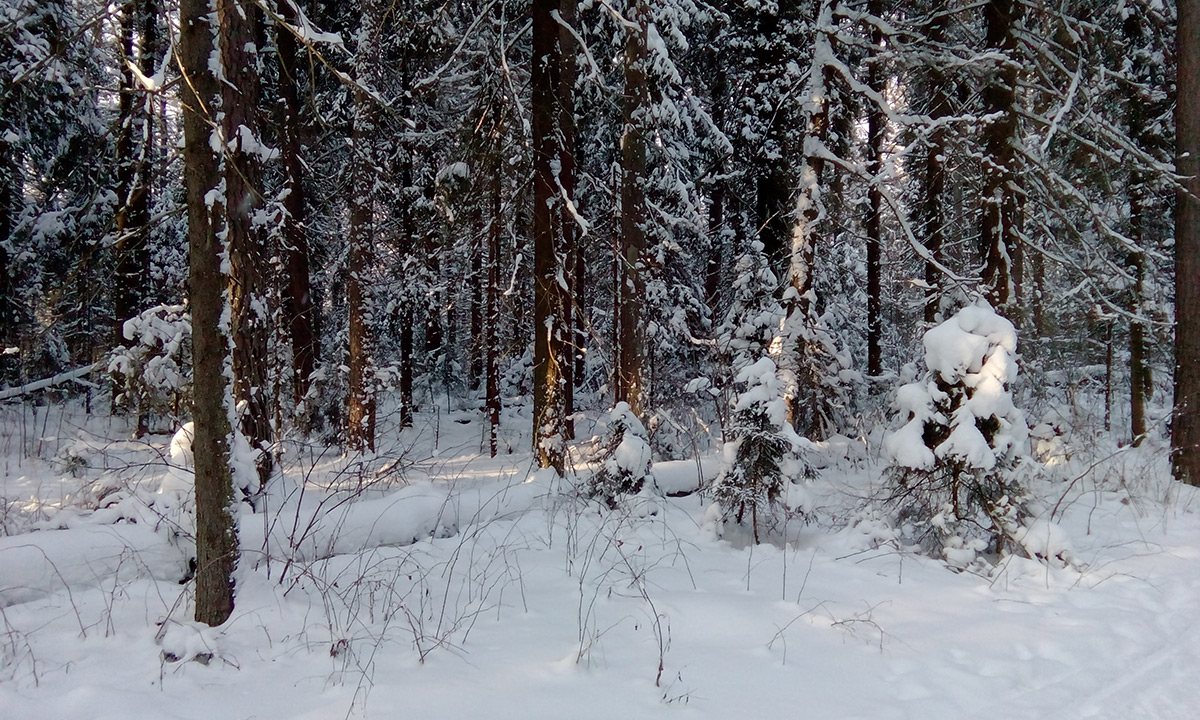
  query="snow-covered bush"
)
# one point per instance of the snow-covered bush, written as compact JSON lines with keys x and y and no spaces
{"x":954,"y":485}
{"x":624,"y":458}
{"x":153,"y":374}
{"x":180,"y":479}
{"x":763,"y":454}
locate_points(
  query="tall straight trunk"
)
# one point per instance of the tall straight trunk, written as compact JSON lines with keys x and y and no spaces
{"x":216,"y":532}
{"x":773,"y":180}
{"x":570,"y":228}
{"x":135,"y":155}
{"x":249,"y":320}
{"x":407,"y":302}
{"x":435,"y":305}
{"x":1185,"y":426}
{"x":799,"y":296}
{"x":10,"y":194}
{"x":478,"y":339}
{"x":876,"y":126}
{"x":363,"y":173}
{"x":714,"y":264}
{"x":492,"y":310}
{"x":408,"y":241}
{"x":933,"y":190}
{"x":631,"y":348}
{"x":299,"y":304}
{"x":998,"y":231}
{"x":1139,"y":373}
{"x":548,"y":412}
{"x":135,"y":140}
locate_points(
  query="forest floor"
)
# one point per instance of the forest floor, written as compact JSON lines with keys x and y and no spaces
{"x":432,"y":581}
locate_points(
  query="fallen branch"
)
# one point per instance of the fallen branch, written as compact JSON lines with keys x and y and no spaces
{"x":76,"y":374}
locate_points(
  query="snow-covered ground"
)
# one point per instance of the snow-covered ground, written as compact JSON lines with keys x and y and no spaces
{"x":433,"y":581}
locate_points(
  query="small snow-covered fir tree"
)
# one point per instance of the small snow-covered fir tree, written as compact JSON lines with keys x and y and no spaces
{"x":624,"y":458}
{"x":754,"y":316}
{"x":763,"y":454}
{"x":954,"y":484}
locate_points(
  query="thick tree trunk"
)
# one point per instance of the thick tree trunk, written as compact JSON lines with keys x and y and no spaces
{"x":631,"y":347}
{"x":998,"y":231}
{"x":216,"y":532}
{"x":1139,"y":372}
{"x":360,"y":410}
{"x":548,"y":418}
{"x":250,"y":322}
{"x":1185,"y":427}
{"x":933,"y":216}
{"x":773,"y":178}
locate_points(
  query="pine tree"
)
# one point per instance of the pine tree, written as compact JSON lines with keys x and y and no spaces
{"x":216,"y":532}
{"x":762,"y":456}
{"x":1185,"y":428}
{"x":955,"y":484}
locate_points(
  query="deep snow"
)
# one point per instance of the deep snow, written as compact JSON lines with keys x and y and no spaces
{"x":518,"y":600}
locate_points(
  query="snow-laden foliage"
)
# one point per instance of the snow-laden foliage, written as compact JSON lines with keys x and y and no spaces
{"x":763,"y":455}
{"x":152,"y":373}
{"x":754,"y":316}
{"x":959,"y":458}
{"x":624,"y":458}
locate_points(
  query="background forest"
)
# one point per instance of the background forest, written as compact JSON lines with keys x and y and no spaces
{"x":908,"y":273}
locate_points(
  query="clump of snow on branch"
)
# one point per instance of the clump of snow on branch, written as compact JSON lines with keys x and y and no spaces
{"x":152,"y":372}
{"x":625,"y":460}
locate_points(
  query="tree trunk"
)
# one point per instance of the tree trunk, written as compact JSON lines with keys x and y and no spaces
{"x":364,"y":170}
{"x":300,"y":311}
{"x":631,"y":349}
{"x":998,"y":233}
{"x":135,"y":139}
{"x":933,"y":216}
{"x":216,"y":532}
{"x":799,"y":295}
{"x":876,"y":126}
{"x":548,"y":418}
{"x":249,"y":320}
{"x":570,"y":228}
{"x":1185,"y":427}
{"x":492,"y":298}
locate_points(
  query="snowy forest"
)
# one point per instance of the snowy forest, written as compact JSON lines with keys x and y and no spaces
{"x":514,"y":358}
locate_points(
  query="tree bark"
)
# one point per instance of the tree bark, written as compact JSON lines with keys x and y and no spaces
{"x":301,"y":314}
{"x":548,"y":412}
{"x":492,"y":299}
{"x":998,"y":232}
{"x":876,"y":126}
{"x":570,"y":228}
{"x":249,"y":320}
{"x":135,"y":139}
{"x":631,"y":347}
{"x":933,"y":216}
{"x":1185,"y":427}
{"x":363,"y":172}
{"x":216,"y":532}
